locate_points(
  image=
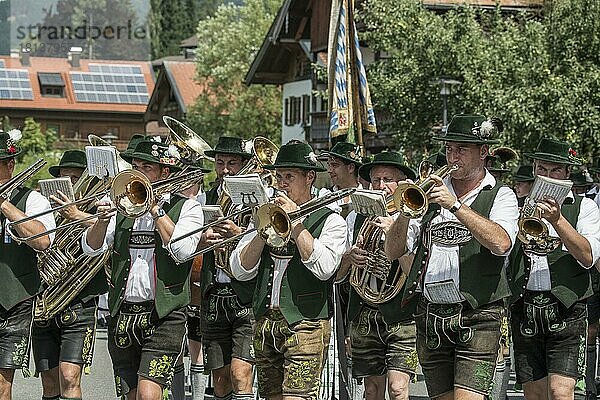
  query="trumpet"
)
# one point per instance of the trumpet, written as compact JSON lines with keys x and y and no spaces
{"x":410,"y":199}
{"x":272,"y":223}
{"x":533,"y":232}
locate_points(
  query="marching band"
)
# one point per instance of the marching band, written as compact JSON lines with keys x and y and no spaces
{"x":457,"y":270}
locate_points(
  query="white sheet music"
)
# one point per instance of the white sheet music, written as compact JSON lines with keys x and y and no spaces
{"x":246,"y":189}
{"x":369,"y":202}
{"x":549,"y":187}
{"x":101,"y":161}
{"x":211,"y":213}
{"x":443,"y":292}
{"x":50,"y":187}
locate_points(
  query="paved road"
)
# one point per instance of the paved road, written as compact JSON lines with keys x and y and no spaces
{"x":99,"y":384}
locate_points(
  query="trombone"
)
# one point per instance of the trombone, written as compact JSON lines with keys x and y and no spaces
{"x":131,"y":192}
{"x":272,"y":223}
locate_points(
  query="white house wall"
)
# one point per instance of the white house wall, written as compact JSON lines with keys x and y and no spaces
{"x":291,"y":90}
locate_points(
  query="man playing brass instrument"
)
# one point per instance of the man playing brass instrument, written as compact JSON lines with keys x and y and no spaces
{"x":225,"y":326}
{"x":382,"y":335}
{"x":548,"y":310}
{"x":148,"y":291}
{"x":63,"y":345}
{"x":293,"y":297}
{"x":457,"y":282}
{"x":343,"y":162}
{"x":20,"y":280}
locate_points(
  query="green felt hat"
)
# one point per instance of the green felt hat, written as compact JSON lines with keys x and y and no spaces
{"x":581,"y":178}
{"x":229,"y":145}
{"x":70,"y":159}
{"x":524,"y":174}
{"x":296,"y":154}
{"x":133,"y":141}
{"x":438,"y":159}
{"x":389,"y":158}
{"x":154,"y":152}
{"x":8,"y":143}
{"x":554,"y":151}
{"x":476,"y":129}
{"x":494,"y":164}
{"x":346,"y":151}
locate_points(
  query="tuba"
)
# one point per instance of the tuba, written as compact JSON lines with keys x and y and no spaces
{"x":533,"y":232}
{"x":263,"y":152}
{"x":64,"y":269}
{"x":381,"y":280}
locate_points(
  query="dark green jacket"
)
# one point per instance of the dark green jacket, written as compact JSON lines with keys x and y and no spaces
{"x":172,"y":280}
{"x":19,"y":276}
{"x":570,"y":281}
{"x":303,"y":295}
{"x":392,"y":311}
{"x":244,"y":290}
{"x":482,"y":274}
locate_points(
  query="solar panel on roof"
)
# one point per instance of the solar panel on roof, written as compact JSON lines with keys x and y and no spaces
{"x":50,"y":79}
{"x":15,"y":84}
{"x":110,"y":83}
{"x":2,"y":65}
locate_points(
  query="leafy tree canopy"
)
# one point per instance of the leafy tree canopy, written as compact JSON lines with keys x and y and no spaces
{"x":227,"y":44}
{"x":540,"y":73}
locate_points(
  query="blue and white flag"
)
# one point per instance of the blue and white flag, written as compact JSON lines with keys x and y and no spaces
{"x":349,"y":98}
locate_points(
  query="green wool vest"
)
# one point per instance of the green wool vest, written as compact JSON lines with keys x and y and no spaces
{"x":303,"y":295}
{"x":243,"y":290}
{"x":482,"y":274}
{"x":18,"y":262}
{"x":392,"y":311}
{"x":172,"y":280}
{"x":571,"y":282}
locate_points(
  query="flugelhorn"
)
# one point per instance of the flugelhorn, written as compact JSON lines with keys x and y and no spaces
{"x":533,"y":232}
{"x":271,"y":222}
{"x":410,"y":199}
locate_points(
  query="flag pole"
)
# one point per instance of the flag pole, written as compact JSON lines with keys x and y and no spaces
{"x":356,"y":106}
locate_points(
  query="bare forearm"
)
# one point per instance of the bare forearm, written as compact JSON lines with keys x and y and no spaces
{"x":395,"y":239}
{"x":576,"y":244}
{"x":26,"y":229}
{"x":491,"y":235}
{"x":165,"y":227}
{"x":250,"y":255}
{"x":95,"y":234}
{"x":345,"y":265}
{"x":304,"y":241}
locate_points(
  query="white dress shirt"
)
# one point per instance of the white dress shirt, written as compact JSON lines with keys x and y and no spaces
{"x":588,"y":225}
{"x":443,"y":261}
{"x":141,"y":282}
{"x":35,"y":204}
{"x":323,"y":262}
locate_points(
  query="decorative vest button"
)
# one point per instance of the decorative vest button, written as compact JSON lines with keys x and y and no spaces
{"x":410,"y":292}
{"x":524,"y":286}
{"x":521,"y":295}
{"x":423,"y":262}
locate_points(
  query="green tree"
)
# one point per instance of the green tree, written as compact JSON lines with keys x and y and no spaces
{"x":34,"y":144}
{"x":227,"y":44}
{"x":540,"y":73}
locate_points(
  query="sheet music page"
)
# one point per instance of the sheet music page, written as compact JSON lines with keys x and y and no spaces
{"x":369,"y":202}
{"x":443,"y":292}
{"x":211,"y":213}
{"x":101,"y":161}
{"x":246,"y":189}
{"x":554,"y":188}
{"x":50,"y":187}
